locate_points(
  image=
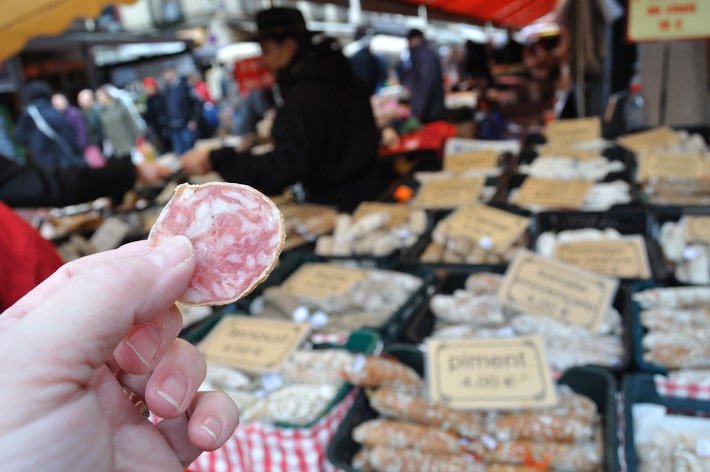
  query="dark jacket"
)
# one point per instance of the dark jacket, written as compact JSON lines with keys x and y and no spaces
{"x":44,"y":150}
{"x":92,"y":118}
{"x":426,"y":84}
{"x":33,"y":186}
{"x":181,"y":105}
{"x":370,"y":68}
{"x":157,"y":115}
{"x":324,"y":135}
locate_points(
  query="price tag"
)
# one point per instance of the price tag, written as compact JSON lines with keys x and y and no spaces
{"x":568,"y":151}
{"x":321,"y":281}
{"x":697,"y":229}
{"x":656,"y":138}
{"x":666,"y":164}
{"x":110,"y":234}
{"x":252,"y":344}
{"x":565,"y":132}
{"x":553,"y":193}
{"x":483,"y":159}
{"x":624,"y":258}
{"x":398,"y":213}
{"x":480,"y":221}
{"x":550,"y":288}
{"x":448,"y":193}
{"x":509,"y":373}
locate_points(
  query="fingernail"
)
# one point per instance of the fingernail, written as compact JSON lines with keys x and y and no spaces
{"x":170,"y":252}
{"x":173,"y":389}
{"x":145,"y":342}
{"x":213,"y":427}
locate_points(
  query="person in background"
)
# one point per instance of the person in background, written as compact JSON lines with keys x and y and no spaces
{"x":370,"y":68}
{"x":156,"y":115}
{"x":477,"y":67}
{"x":425,"y":82}
{"x":252,"y":110}
{"x":92,"y":117}
{"x":324,"y":133}
{"x":120,"y":129}
{"x":124,"y":98}
{"x":73,"y":117}
{"x":45,"y":132}
{"x":183,"y":111}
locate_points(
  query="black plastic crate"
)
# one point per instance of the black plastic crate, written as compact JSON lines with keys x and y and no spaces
{"x":626,"y":220}
{"x":591,"y":382}
{"x":641,"y":388}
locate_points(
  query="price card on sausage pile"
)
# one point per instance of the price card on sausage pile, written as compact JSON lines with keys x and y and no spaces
{"x":553,"y":193}
{"x":625,"y":258}
{"x":656,"y":138}
{"x":697,"y":229}
{"x":398,"y":213}
{"x":670,"y":164}
{"x":483,"y":159}
{"x":490,"y":373}
{"x":567,"y":151}
{"x":545,"y":287}
{"x":320,"y":281}
{"x":574,"y":131}
{"x":448,"y":193}
{"x":480,"y":221}
{"x":251,"y":344}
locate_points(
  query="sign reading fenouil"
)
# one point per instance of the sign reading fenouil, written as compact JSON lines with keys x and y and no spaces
{"x":658,"y":20}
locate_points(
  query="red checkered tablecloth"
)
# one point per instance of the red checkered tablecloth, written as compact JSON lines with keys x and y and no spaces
{"x":681,"y":389}
{"x":259,"y":447}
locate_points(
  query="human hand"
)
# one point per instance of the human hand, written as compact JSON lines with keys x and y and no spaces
{"x":98,"y":321}
{"x":151,"y":172}
{"x":196,"y":161}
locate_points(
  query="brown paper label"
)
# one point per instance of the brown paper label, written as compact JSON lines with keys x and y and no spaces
{"x":320,"y":281}
{"x":565,"y":132}
{"x":667,"y":164}
{"x":484,"y":159}
{"x":655,"y":138}
{"x":110,"y":234}
{"x":624,"y":258}
{"x":697,"y":229}
{"x":398,"y":213}
{"x":567,"y":151}
{"x":553,"y":193}
{"x":448,"y":193}
{"x":547,"y":287}
{"x":252,"y":344}
{"x":478,"y":222}
{"x":508,"y":373}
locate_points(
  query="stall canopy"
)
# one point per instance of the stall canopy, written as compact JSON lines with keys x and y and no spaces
{"x":22,"y":20}
{"x":506,"y":13}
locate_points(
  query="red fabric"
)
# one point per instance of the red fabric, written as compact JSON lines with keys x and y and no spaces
{"x":26,"y":258}
{"x":510,"y":13}
{"x":431,"y":137}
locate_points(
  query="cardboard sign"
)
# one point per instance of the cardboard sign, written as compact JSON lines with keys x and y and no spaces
{"x":478,"y":222}
{"x":553,"y":193}
{"x":656,"y":138}
{"x":697,"y":229}
{"x":567,"y":151}
{"x":654,"y":20}
{"x":484,"y":159}
{"x":253,"y":344}
{"x":670,"y":164}
{"x":110,"y":234}
{"x":565,"y":132}
{"x":448,"y":193}
{"x":549,"y":288}
{"x":398,"y":213}
{"x":490,"y":373}
{"x":624,"y":258}
{"x":321,"y":281}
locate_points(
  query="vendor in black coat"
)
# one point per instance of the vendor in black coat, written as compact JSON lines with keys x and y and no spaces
{"x":324,"y":133}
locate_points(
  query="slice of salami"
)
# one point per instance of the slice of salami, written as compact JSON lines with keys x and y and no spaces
{"x":237,"y":235}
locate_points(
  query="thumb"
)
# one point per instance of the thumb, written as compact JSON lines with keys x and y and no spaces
{"x":81,"y":323}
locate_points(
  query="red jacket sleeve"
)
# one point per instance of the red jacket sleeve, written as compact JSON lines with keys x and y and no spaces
{"x":26,"y":258}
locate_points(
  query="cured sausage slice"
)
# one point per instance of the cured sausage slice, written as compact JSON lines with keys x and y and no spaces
{"x":237,"y":235}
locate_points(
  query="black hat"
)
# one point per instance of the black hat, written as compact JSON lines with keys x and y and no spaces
{"x":280,"y":22}
{"x":415,"y":33}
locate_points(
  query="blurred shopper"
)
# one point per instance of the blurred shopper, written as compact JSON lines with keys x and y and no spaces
{"x":93,"y":153}
{"x":125,"y":99}
{"x":156,"y":115}
{"x":73,"y":117}
{"x":183,"y":111}
{"x":324,"y":133}
{"x":370,"y":68}
{"x":45,"y":132}
{"x":425,"y":81}
{"x":120,"y":129}
{"x":252,"y":110}
{"x":477,"y":67}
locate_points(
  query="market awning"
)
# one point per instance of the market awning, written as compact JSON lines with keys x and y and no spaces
{"x":22,"y":20}
{"x":508,"y":13}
